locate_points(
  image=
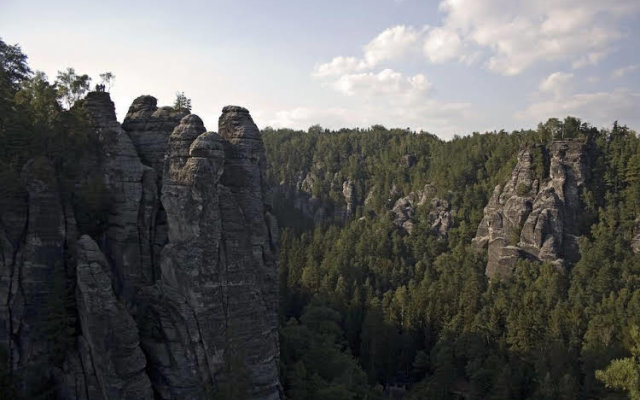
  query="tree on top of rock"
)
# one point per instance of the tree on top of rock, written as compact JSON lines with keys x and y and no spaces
{"x":107,"y":79}
{"x":71,"y":86}
{"x":182,"y":102}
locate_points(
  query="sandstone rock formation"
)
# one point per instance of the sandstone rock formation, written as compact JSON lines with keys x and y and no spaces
{"x":301,"y":196}
{"x":109,"y":333}
{"x":149,"y":128}
{"x":439,"y":217}
{"x":527,"y":218}
{"x":32,"y":236}
{"x":177,"y":296}
{"x":216,"y":301}
{"x":350,"y":197}
{"x":124,"y":174}
{"x":635,"y":241}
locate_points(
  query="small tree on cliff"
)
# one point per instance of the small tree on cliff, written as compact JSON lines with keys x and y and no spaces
{"x":182,"y":102}
{"x":107,"y":79}
{"x":72,"y":86}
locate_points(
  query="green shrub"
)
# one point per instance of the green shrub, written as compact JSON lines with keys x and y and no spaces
{"x":523,"y":189}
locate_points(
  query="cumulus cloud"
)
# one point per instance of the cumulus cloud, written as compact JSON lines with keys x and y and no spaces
{"x":518,"y":34}
{"x":390,"y":44}
{"x":442,"y":45}
{"x":511,"y":35}
{"x":386,"y":83}
{"x":338,"y":66}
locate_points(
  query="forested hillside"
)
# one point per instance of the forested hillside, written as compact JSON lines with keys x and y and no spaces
{"x":371,"y":306}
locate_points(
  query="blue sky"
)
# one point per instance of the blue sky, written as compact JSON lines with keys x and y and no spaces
{"x":448,"y":67}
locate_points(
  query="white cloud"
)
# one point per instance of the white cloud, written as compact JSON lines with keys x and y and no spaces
{"x":518,"y":34}
{"x":511,"y":35}
{"x":620,"y":72}
{"x":338,"y":66}
{"x":442,"y":45}
{"x":390,"y":44}
{"x":384,"y":83}
{"x":556,"y":83}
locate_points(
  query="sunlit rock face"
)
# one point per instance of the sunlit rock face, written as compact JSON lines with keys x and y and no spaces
{"x":536,"y":220}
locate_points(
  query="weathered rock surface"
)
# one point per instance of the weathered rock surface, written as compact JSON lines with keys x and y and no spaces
{"x":159,"y":305}
{"x":212,"y":319}
{"x":149,"y":128}
{"x":529,"y":219}
{"x":109,"y":334}
{"x":635,"y":241}
{"x":350,"y":198}
{"x":301,"y":196}
{"x":439,"y":217}
{"x":32,"y":236}
{"x":129,"y":199}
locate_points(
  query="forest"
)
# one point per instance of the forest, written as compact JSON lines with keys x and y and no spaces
{"x":368,"y":310}
{"x":371,"y":311}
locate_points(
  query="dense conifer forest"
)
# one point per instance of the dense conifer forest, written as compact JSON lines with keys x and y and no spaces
{"x":368,"y":310}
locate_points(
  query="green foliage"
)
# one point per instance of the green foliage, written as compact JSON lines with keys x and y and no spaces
{"x":182,"y":102}
{"x":71,"y":86}
{"x":416,"y":311}
{"x":624,"y":373}
{"x":34,"y":126}
{"x":320,"y":368}
{"x":523,"y":189}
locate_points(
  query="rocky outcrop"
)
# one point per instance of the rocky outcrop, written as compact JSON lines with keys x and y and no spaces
{"x":179,"y":304}
{"x":149,"y":128}
{"x":124,"y":175}
{"x":439,"y":216}
{"x":350,"y":198}
{"x":300,"y":195}
{"x":635,"y":241}
{"x":211,"y":320}
{"x":537,"y":220}
{"x":32,"y":267}
{"x":109,"y":343}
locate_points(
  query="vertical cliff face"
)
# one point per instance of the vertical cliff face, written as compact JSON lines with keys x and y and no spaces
{"x":131,"y":197}
{"x":537,"y":220}
{"x":32,"y":236}
{"x":177,"y":297}
{"x":211,"y":321}
{"x":149,"y":128}
{"x":109,"y":334}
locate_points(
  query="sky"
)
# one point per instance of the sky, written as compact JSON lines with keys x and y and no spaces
{"x":449,"y":67}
